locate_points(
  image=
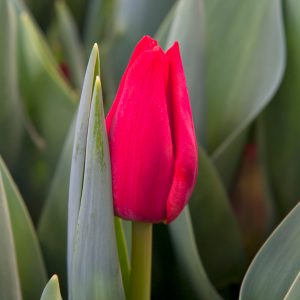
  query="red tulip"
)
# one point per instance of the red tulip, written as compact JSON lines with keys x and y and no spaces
{"x":151,"y":136}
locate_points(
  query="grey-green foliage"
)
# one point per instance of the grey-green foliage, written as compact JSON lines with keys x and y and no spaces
{"x":184,"y":243}
{"x":93,"y":265}
{"x":187,"y":27}
{"x":273,"y":274}
{"x":280,"y":122}
{"x":215,"y":226}
{"x":52,"y":227}
{"x":10,"y":288}
{"x":52,"y":290}
{"x":31,"y":270}
{"x":244,"y":63}
{"x":9,"y":95}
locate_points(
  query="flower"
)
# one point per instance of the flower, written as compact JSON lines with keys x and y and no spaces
{"x":152,"y":137}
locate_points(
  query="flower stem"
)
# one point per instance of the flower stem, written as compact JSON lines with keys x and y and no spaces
{"x":140,"y":281}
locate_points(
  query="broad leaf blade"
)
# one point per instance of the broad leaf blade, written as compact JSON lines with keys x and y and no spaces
{"x":52,"y":290}
{"x":280,"y":123}
{"x":186,"y":250}
{"x":277,"y":264}
{"x":215,"y":226}
{"x":10,"y":288}
{"x":241,"y":76}
{"x":96,"y":273}
{"x":29,"y":259}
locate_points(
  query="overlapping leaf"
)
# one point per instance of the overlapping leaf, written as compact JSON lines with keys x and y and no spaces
{"x":10,"y":132}
{"x":10,"y":288}
{"x":186,"y":249}
{"x":52,"y":290}
{"x":93,"y":266}
{"x":215,"y":226}
{"x":274,"y":272}
{"x":280,"y":123}
{"x":240,"y":74}
{"x":31,"y":271}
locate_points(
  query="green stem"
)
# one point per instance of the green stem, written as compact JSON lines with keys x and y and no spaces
{"x":140,"y":280}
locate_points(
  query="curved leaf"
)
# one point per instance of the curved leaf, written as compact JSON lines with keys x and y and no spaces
{"x":183,"y":239}
{"x":50,"y":102}
{"x":280,"y":123}
{"x":241,"y":76}
{"x":215,"y":226}
{"x":52,"y":228}
{"x":29,"y":259}
{"x":275,"y":268}
{"x":52,"y":290}
{"x":10,"y":288}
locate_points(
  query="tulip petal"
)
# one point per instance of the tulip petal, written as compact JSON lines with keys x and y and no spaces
{"x":184,"y":139}
{"x":146,"y":43}
{"x":141,"y":142}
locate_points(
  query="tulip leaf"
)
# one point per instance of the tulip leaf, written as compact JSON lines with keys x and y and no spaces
{"x":99,"y":21}
{"x":280,"y":121}
{"x":52,"y":229}
{"x":10,"y":132}
{"x":79,"y":147}
{"x":278,"y":261}
{"x":52,"y":290}
{"x":95,"y":272}
{"x":49,"y":100}
{"x":183,"y":239}
{"x":188,"y":28}
{"x":123,"y":254}
{"x":215,"y":226}
{"x":10,"y":288}
{"x":294,"y":291}
{"x":31,"y":268}
{"x":70,"y":41}
{"x":227,"y":161}
{"x":240,"y":74}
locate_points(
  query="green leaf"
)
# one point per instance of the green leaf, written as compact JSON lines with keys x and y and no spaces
{"x":183,"y":239}
{"x":96,"y":273}
{"x":273,"y":274}
{"x":69,"y":38}
{"x":52,"y":228}
{"x":79,"y":149}
{"x":187,"y":26}
{"x":123,"y":254}
{"x":280,"y":122}
{"x":10,"y":288}
{"x":240,"y":74}
{"x":294,"y":291}
{"x":49,"y":100}
{"x":215,"y":226}
{"x":227,"y":161}
{"x":52,"y":290}
{"x":99,"y":21}
{"x":10,"y":132}
{"x":29,"y":259}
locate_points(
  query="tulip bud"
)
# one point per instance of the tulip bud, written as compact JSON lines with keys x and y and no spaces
{"x":152,"y":137}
